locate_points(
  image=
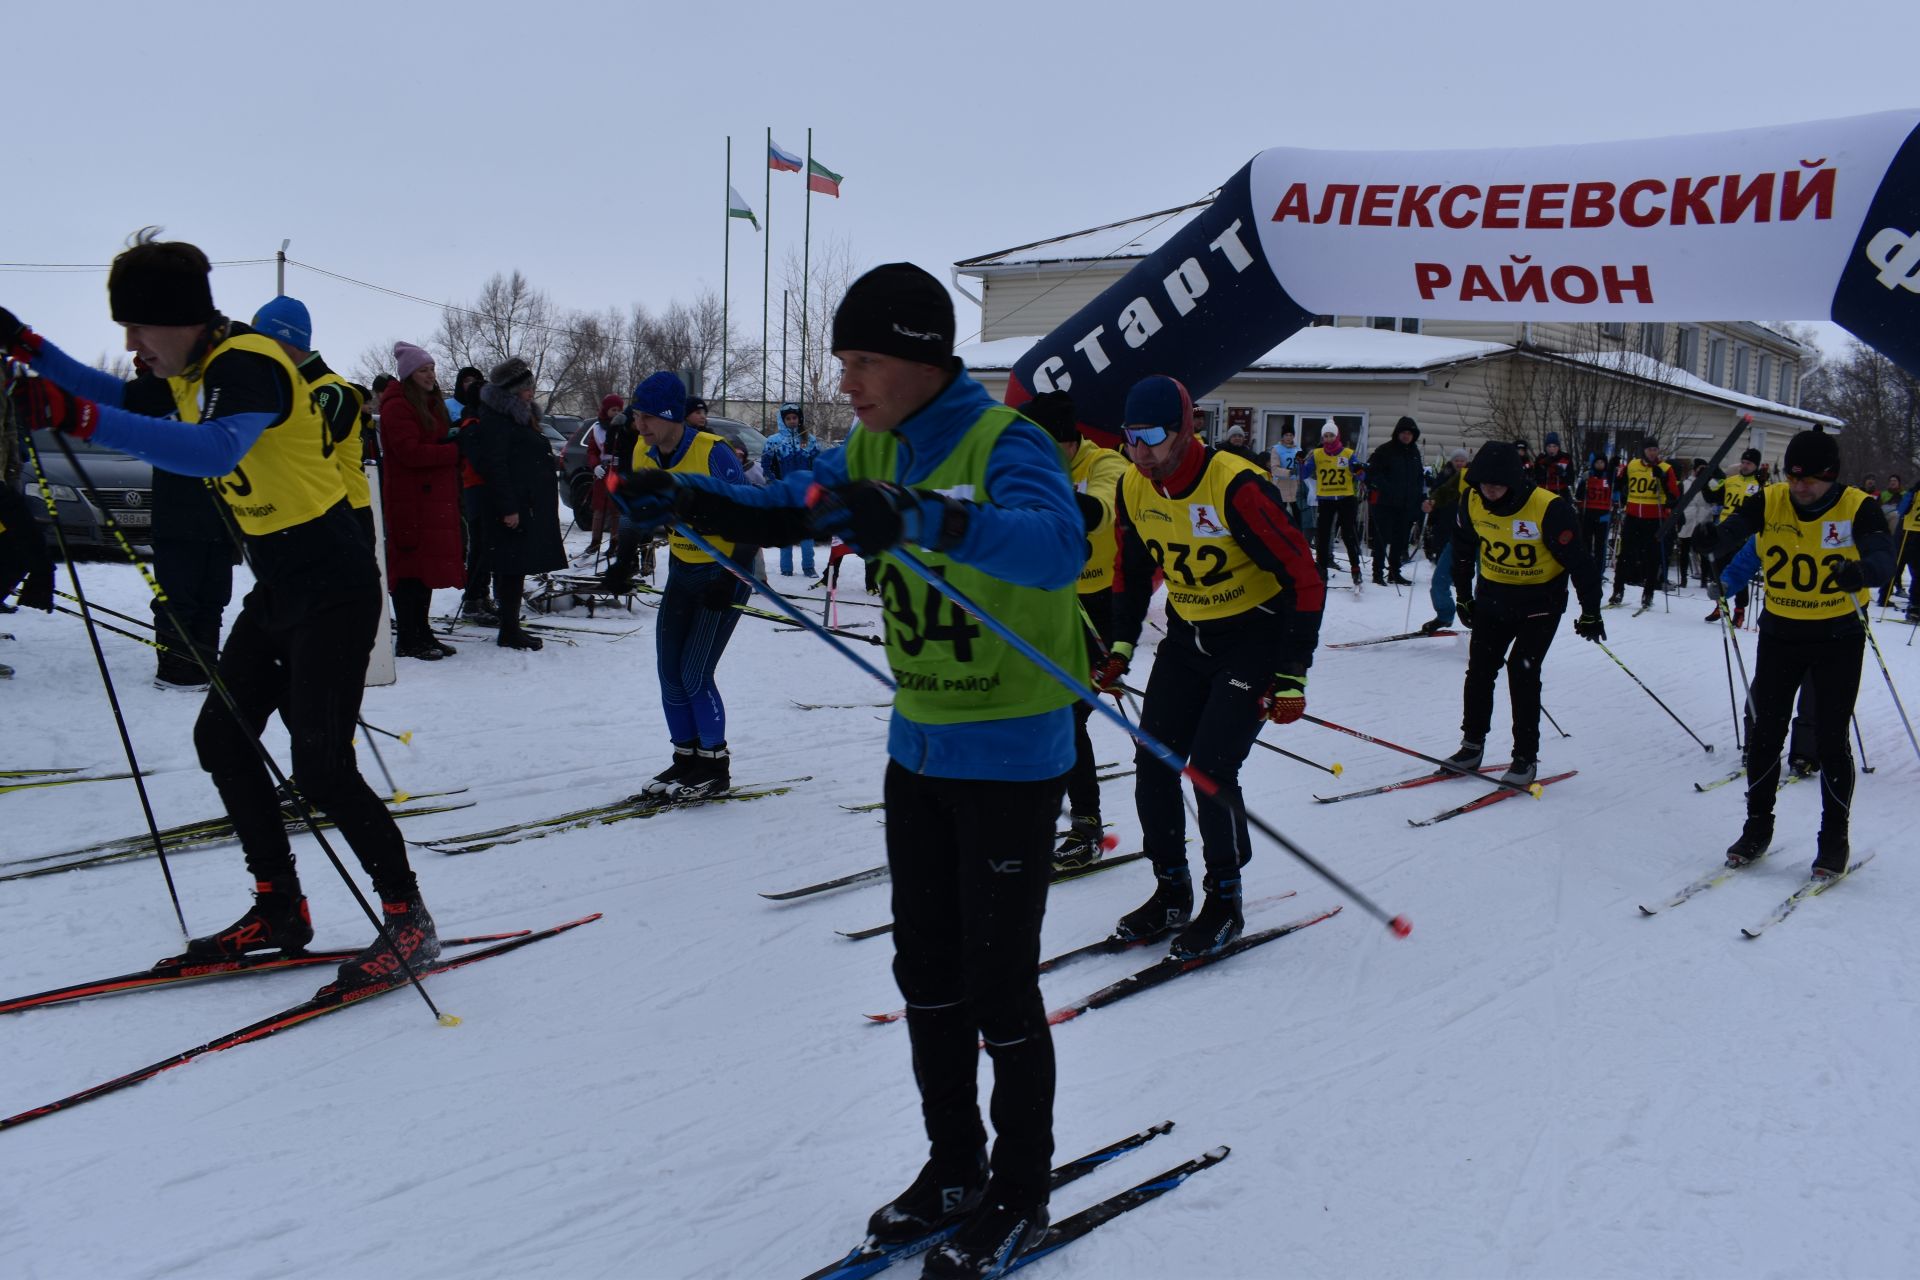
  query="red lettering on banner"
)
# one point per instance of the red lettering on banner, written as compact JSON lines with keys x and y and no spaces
{"x":1758,"y":195}
{"x":1293,"y":204}
{"x":1593,"y":204}
{"x":1630,"y":213}
{"x":1519,"y":284}
{"x":1346,"y":191}
{"x":1637,"y":283}
{"x":1543,"y":200}
{"x":1502,"y":202}
{"x":1430,"y":277}
{"x":1563,"y":276}
{"x":1413,"y":204}
{"x":1457,"y":220}
{"x":1376,"y":206}
{"x":1690,"y":195}
{"x":1818,"y":191}
{"x":1476,"y":284}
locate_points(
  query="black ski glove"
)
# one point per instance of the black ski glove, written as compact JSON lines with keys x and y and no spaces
{"x":1464,"y":607}
{"x":1850,"y":576}
{"x":1588,"y":625}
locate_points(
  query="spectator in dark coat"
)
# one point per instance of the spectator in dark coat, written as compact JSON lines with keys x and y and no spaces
{"x":420,"y":491}
{"x":1399,"y":485}
{"x":522,"y":497}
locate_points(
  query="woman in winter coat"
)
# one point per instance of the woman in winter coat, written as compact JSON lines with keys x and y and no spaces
{"x":420,"y":493}
{"x":599,"y":457}
{"x":515,"y":463}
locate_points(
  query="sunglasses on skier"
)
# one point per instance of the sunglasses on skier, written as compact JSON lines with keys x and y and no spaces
{"x":1145,"y":435}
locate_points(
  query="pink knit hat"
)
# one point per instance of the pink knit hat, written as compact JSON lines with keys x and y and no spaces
{"x":409,"y":359}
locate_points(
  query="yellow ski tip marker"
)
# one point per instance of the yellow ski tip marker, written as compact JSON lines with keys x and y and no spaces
{"x":406,"y":739}
{"x":1535,"y":790}
{"x":449,"y":1020}
{"x":401,"y":797}
{"x":1338,"y":768}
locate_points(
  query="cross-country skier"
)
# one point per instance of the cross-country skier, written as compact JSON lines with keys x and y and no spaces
{"x":1336,"y":480}
{"x":1652,"y":491}
{"x":300,"y":644}
{"x":1525,"y":542}
{"x":1243,"y":616}
{"x":1821,"y":545}
{"x":980,"y":741}
{"x":1732,"y":492}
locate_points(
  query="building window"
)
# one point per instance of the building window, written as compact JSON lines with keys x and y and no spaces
{"x":1409,"y":324}
{"x":1787,"y":384}
{"x":1383,"y":322}
{"x":1613,"y":329}
{"x":1741,"y":355}
{"x":1687,"y":356}
{"x":1653,"y":340}
{"x":1717,"y":362}
{"x":1764,"y":387}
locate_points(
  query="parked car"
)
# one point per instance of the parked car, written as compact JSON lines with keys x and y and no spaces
{"x":579,"y":476}
{"x":122,"y":482}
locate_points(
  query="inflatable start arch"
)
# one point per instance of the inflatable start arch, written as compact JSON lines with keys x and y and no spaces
{"x":1808,"y":221}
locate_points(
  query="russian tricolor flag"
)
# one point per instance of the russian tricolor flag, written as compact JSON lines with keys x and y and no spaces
{"x":782,"y":160}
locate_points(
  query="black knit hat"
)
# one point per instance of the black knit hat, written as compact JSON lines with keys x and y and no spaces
{"x":162,"y":282}
{"x":1812,"y":455}
{"x":510,"y":374}
{"x":1497,"y":463}
{"x":1053,"y":412}
{"x":1751,"y":455}
{"x":896,"y":310}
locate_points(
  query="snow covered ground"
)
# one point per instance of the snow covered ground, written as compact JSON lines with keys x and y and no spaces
{"x":1538,"y":1082}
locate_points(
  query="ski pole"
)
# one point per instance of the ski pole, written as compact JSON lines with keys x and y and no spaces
{"x":1864,"y":766}
{"x":1336,"y":768}
{"x":404,"y":739}
{"x":399,"y":796}
{"x":1707,"y":746}
{"x":1733,"y":703}
{"x":1555,"y":723}
{"x":220,"y":689}
{"x":1203,"y":784}
{"x":1887,"y":676}
{"x":100,"y":661}
{"x":107,"y":626}
{"x":1413,"y":583}
{"x":1533,"y":789}
{"x":781,"y":602}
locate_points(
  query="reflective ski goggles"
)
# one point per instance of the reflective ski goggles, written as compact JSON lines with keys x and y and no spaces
{"x":1145,"y":435}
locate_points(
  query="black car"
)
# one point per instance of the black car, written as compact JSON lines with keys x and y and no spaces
{"x":122,"y":482}
{"x":579,"y":476}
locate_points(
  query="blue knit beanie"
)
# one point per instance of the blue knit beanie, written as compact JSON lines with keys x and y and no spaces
{"x":1158,"y":401}
{"x":285,"y":320}
{"x":662,"y":395}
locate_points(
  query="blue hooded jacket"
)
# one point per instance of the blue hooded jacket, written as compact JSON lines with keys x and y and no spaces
{"x":788,"y":451}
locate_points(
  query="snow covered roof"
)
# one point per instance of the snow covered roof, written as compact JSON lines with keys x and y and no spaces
{"x":1134,"y":238}
{"x":1645,"y":366}
{"x":1322,"y":348}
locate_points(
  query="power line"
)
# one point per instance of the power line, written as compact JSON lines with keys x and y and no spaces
{"x":57,"y":267}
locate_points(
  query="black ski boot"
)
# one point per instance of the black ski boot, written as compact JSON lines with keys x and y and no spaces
{"x":992,"y":1237}
{"x":1831,"y":856}
{"x":1081,"y":846}
{"x":277,"y":921}
{"x":1432,"y":625}
{"x":1469,"y":756}
{"x":1521,"y":772}
{"x":518,"y":637}
{"x":1165,"y":911}
{"x":712,"y":773}
{"x":413,"y":934}
{"x":1218,"y":923}
{"x":942,"y":1195}
{"x":1755,"y":836}
{"x":683,"y":764}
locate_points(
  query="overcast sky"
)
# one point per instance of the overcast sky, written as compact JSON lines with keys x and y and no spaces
{"x":425,"y":146}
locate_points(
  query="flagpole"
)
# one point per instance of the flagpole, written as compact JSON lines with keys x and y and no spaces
{"x":783,"y":346}
{"x":766,"y":275}
{"x":726,"y":268}
{"x":806,"y":253}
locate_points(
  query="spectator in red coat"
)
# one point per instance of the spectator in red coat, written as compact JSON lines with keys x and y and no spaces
{"x":420,"y":490}
{"x":605,"y":517}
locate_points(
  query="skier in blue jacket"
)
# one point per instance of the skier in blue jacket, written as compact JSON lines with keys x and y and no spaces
{"x":980,"y":741}
{"x":791,"y":452}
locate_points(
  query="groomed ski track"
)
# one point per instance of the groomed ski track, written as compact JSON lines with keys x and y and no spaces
{"x":1538,"y":1082}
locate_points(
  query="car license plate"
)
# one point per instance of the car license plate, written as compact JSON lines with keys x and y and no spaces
{"x":134,"y":519}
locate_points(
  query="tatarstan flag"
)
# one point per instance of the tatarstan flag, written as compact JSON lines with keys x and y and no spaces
{"x":822,"y":179}
{"x":781,"y":159}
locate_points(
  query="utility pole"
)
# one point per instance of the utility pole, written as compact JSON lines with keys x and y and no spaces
{"x":280,"y":269}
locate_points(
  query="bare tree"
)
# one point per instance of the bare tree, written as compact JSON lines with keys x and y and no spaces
{"x":1599,"y":396}
{"x":372,"y":361}
{"x":813,"y":376}
{"x":1880,"y":404}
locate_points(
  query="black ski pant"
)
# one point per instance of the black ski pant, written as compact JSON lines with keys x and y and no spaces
{"x":1594,"y":526}
{"x":197,"y":578}
{"x":1203,"y":704}
{"x":1083,"y":791}
{"x":1639,"y":563}
{"x":1518,"y":638}
{"x":312,"y":672}
{"x":411,"y":600}
{"x":1834,"y":668}
{"x":1394,"y":526}
{"x":480,"y":535}
{"x":1908,"y":551}
{"x":1802,"y":745}
{"x":1344,"y":512}
{"x":970,"y":862}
